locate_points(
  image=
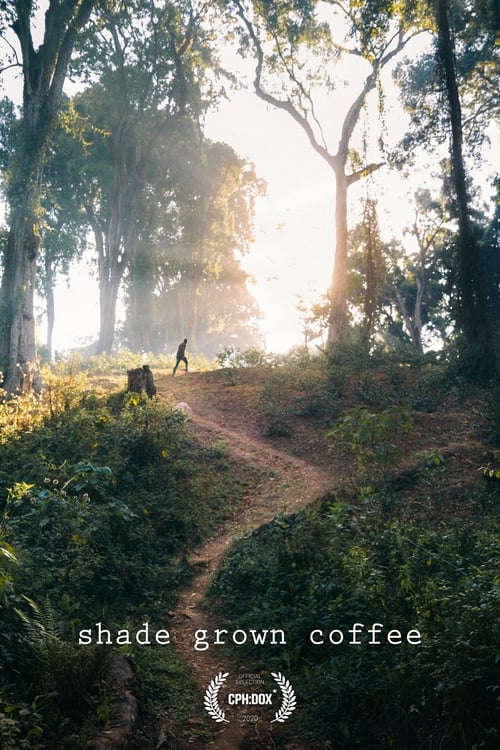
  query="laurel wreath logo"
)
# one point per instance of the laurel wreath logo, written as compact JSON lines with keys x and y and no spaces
{"x":211,"y":702}
{"x":289,"y":700}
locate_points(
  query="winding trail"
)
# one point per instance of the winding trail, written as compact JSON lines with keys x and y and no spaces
{"x":286,"y":484}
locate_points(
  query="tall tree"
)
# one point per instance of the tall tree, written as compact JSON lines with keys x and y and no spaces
{"x":374,"y":267}
{"x":451,"y":94}
{"x":473,"y":313}
{"x":152,"y":62}
{"x":44,"y":72}
{"x":295,"y":44}
{"x":416,"y":277}
{"x":397,"y":288}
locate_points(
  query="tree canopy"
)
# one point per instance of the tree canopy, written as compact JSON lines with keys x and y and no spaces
{"x":122,"y":165}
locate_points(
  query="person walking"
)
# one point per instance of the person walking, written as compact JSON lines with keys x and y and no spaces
{"x":181,"y":355}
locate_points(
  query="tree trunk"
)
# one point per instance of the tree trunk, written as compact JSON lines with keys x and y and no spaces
{"x":50,"y":306}
{"x":473,"y":317}
{"x":188,"y":304}
{"x":111,"y":270}
{"x":108,"y":296}
{"x":112,"y":246}
{"x":17,"y":319}
{"x":337,"y":327}
{"x":17,"y":331}
{"x":413,"y":325}
{"x":417,"y":310}
{"x":140,"y":320}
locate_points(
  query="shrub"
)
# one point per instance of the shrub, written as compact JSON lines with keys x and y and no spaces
{"x":230,"y":356}
{"x":341,"y":564}
{"x":373,"y":438}
{"x":101,"y":496}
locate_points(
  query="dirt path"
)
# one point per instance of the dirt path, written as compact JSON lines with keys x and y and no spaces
{"x":286,"y":484}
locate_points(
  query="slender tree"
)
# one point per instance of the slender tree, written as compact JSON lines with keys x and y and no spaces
{"x":473,"y":316}
{"x":374,"y":267}
{"x":451,"y":93}
{"x":44,"y":72}
{"x":295,"y":47}
{"x":415,"y":279}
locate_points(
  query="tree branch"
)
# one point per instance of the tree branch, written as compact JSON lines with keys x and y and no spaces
{"x":370,"y":82}
{"x":64,"y":47}
{"x":8,"y":67}
{"x":359,"y":174}
{"x":285,"y":105}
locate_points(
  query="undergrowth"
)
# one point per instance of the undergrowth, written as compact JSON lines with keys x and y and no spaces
{"x":363,"y":555}
{"x":342,"y":563}
{"x":101,"y":497}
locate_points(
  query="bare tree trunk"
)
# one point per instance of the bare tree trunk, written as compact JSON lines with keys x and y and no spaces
{"x":417,"y":311}
{"x":113,"y":246}
{"x":17,"y":319}
{"x":337,"y":326}
{"x":17,"y":329}
{"x":189,"y":303}
{"x":50,"y":307}
{"x":141,"y":320}
{"x":108,"y":295}
{"x":110,"y":274}
{"x":413,"y":327}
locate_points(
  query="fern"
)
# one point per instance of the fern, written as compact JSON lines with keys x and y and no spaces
{"x":41,"y":627}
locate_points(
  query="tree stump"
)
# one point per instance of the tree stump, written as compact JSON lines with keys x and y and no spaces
{"x":136,"y":380}
{"x":140,"y":380}
{"x":149,"y":381}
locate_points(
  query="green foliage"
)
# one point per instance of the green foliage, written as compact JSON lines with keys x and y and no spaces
{"x":318,"y":400}
{"x":80,"y":364}
{"x":101,"y":498}
{"x":7,"y":557}
{"x":20,"y":725}
{"x":344,"y":563}
{"x":373,"y":437}
{"x":430,"y":457}
{"x":489,"y":472}
{"x":230,"y":356}
{"x":165,"y":681}
{"x":277,"y":422}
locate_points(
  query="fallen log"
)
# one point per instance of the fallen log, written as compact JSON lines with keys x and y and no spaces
{"x":120,"y":732}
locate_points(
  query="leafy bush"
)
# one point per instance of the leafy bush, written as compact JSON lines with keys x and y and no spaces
{"x":373,"y":437}
{"x":101,"y":496}
{"x":230,"y":356}
{"x":78,"y":362}
{"x":341,"y":564}
{"x":276,"y":408}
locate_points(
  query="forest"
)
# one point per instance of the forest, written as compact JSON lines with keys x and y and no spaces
{"x":350,"y":483}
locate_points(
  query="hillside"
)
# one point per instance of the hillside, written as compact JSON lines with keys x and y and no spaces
{"x":293,"y":412}
{"x":266,"y":420}
{"x":304,"y":498}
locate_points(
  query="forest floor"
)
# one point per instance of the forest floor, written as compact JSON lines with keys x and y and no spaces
{"x":228,"y":408}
